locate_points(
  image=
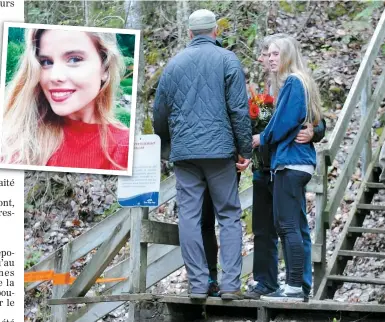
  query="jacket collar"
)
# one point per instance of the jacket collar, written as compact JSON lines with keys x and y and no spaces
{"x":202,"y":40}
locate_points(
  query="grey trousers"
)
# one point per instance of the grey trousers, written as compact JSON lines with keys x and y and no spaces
{"x":220,"y":176}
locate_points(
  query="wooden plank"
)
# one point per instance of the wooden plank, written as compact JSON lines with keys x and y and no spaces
{"x":371,"y":53}
{"x":325,"y":305}
{"x":360,"y":280}
{"x":319,"y":246}
{"x":366,"y":230}
{"x":351,"y":162}
{"x":155,"y":252}
{"x":159,"y":233}
{"x":375,"y":185}
{"x":83,"y":244}
{"x":366,"y":153}
{"x":215,"y":301}
{"x":100,"y":260}
{"x":61,"y":265}
{"x":264,"y":314}
{"x":370,"y":207}
{"x":164,"y":266}
{"x":143,"y":256}
{"x":136,"y":273}
{"x":107,"y":298}
{"x":352,"y":253}
{"x":320,"y":293}
{"x":315,"y":184}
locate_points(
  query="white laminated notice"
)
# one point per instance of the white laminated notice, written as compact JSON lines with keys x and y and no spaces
{"x":142,"y":188}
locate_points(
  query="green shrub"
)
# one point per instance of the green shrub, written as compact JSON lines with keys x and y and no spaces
{"x":127,"y":90}
{"x":123,"y":116}
{"x":126,"y":82}
{"x":14,"y":53}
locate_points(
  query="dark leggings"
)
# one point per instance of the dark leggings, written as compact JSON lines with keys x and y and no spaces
{"x":289,"y":192}
{"x":265,"y":259}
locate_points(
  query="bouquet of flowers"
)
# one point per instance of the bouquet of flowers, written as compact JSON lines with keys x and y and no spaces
{"x":261,"y":109}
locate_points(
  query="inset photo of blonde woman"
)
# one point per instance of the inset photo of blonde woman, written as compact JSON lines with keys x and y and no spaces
{"x":68,"y":97}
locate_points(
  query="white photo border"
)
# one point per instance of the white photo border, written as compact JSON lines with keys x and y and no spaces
{"x":134,"y":32}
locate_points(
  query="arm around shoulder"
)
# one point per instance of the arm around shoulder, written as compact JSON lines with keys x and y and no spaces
{"x":290,"y":112}
{"x":319,"y":131}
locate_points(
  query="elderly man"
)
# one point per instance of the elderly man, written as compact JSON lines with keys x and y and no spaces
{"x":201,"y":108}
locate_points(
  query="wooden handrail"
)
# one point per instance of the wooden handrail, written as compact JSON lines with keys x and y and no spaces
{"x":358,"y":144}
{"x":355,"y":92}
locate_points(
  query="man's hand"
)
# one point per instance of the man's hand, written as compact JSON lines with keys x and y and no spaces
{"x":242,"y":163}
{"x":305,"y":135}
{"x":256,"y":140}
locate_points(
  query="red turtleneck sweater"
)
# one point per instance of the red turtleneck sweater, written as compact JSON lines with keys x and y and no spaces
{"x":81,"y":147}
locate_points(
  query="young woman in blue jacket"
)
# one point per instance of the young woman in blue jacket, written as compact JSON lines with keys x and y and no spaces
{"x":292,"y":163}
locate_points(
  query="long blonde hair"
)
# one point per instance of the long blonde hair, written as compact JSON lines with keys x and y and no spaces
{"x":292,"y":63}
{"x":32,"y":132}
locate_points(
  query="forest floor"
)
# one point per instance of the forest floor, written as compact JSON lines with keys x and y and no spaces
{"x":60,"y":207}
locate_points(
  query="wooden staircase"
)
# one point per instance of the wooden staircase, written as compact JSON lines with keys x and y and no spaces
{"x":355,"y":228}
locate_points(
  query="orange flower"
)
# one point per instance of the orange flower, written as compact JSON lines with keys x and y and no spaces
{"x":253,"y":109}
{"x":266,"y":99}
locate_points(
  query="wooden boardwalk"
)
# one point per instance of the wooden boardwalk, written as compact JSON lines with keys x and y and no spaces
{"x":182,"y":308}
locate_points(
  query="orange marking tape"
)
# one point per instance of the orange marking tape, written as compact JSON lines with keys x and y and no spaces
{"x":61,"y":278}
{"x":30,"y":277}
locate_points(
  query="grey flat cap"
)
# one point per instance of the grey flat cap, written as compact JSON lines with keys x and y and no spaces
{"x":201,"y":20}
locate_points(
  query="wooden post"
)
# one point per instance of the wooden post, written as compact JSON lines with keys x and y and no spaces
{"x":319,"y":247}
{"x":61,"y":265}
{"x":138,"y":260}
{"x":366,"y":154}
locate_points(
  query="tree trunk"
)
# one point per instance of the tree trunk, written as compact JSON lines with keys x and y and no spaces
{"x":86,"y":13}
{"x":182,"y":14}
{"x":133,"y":10}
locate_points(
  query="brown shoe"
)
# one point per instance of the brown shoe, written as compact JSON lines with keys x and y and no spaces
{"x":231,"y":296}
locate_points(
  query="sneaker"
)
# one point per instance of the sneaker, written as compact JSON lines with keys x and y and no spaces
{"x":198,"y":296}
{"x":230,"y":296}
{"x":285,"y":294}
{"x":213,"y":288}
{"x":256,"y":290}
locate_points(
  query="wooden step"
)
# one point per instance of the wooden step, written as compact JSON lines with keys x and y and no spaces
{"x":366,"y":230}
{"x":364,"y":206}
{"x":375,"y":185}
{"x":360,"y":280}
{"x":352,"y":253}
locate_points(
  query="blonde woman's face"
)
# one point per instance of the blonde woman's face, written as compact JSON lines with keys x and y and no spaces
{"x":71,"y":73}
{"x":274,"y":58}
